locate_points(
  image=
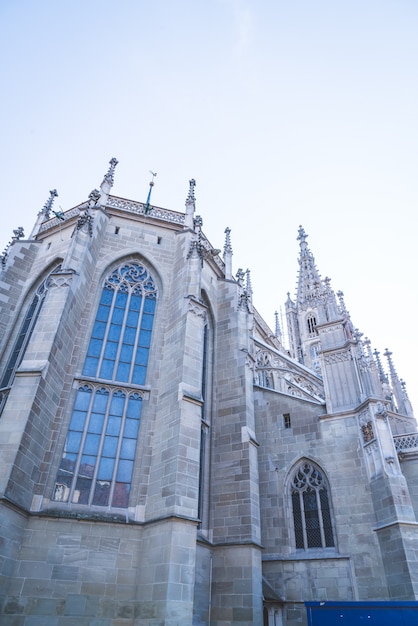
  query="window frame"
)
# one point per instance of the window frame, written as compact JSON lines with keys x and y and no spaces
{"x":325,"y":523}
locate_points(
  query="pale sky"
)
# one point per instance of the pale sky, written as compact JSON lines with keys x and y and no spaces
{"x":286,"y":112}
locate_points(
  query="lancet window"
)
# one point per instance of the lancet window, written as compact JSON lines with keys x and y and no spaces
{"x":22,"y":340}
{"x":311,"y":508}
{"x":97,"y":463}
{"x":311,"y":322}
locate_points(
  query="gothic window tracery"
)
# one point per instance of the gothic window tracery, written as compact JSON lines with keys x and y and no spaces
{"x":311,"y":508}
{"x":97,"y":463}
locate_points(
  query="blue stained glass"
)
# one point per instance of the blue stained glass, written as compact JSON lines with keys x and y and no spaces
{"x":118,"y":315}
{"x":135,"y":304}
{"x":78,"y":419}
{"x":129,"y":336}
{"x":82,"y":400}
{"x":106,"y":469}
{"x":128,"y":449}
{"x":114,"y":332}
{"x":95,"y":347}
{"x":73,"y":441}
{"x":100,"y":402}
{"x":132,"y":319}
{"x":99,"y":330}
{"x":145,"y":338}
{"x":102,"y":313}
{"x":123,"y":372}
{"x":138,"y":377}
{"x":149,"y":305}
{"x":87,"y":465}
{"x":131,"y":428}
{"x":107,"y":296}
{"x":96,"y":423}
{"x":126,"y":353}
{"x":113,"y":425}
{"x":125,"y":469}
{"x":90,"y":366}
{"x":110,"y":350}
{"x":147,"y":321}
{"x":141,"y":356}
{"x":90,"y":416}
{"x":134,"y":408}
{"x":106,"y":371}
{"x":118,"y":404}
{"x":121,"y":299}
{"x":91,"y":445}
{"x":110,"y":446}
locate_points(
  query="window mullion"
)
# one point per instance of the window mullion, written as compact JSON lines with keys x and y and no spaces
{"x":99,"y":452}
{"x":117,"y":455}
{"x":321,"y":520}
{"x":302,"y":511}
{"x":106,"y":335}
{"x":122,"y":333}
{"x":82,"y":442}
{"x":138,"y":330}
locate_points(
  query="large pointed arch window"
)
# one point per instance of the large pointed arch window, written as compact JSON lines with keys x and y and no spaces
{"x":311,"y":508}
{"x":97,"y":464}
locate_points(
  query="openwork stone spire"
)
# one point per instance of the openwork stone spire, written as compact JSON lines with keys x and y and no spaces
{"x":309,"y":283}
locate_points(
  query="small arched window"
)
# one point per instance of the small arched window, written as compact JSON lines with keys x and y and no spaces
{"x":311,"y":321}
{"x":311,"y":508}
{"x":98,"y":459}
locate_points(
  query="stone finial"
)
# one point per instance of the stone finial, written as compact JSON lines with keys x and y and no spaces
{"x":240,"y":276}
{"x":18,"y":233}
{"x":392,"y":370}
{"x":248,"y":286}
{"x":277,"y":329}
{"x":46,"y":210}
{"x":192,"y":185}
{"x":190,"y":204}
{"x":109,"y":176}
{"x":227,"y":246}
{"x":93,"y":198}
{"x":228,"y":254}
{"x":382,"y":376}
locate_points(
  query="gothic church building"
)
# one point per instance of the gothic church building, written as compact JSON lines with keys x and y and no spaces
{"x":165,"y":460}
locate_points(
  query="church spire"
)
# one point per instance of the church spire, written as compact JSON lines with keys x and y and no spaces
{"x":309,"y":283}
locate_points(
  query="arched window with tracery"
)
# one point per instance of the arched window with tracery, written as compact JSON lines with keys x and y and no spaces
{"x":97,"y":463}
{"x":311,"y":507}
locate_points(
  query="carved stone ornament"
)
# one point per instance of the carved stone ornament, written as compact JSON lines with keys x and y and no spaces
{"x":63,"y":279}
{"x":196,"y":309}
{"x":338,"y":357}
{"x":367,"y":430}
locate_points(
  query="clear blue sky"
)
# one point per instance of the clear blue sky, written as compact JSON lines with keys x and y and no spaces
{"x":285,"y":112}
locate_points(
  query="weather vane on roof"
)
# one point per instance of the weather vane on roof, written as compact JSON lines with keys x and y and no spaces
{"x":147,"y":208}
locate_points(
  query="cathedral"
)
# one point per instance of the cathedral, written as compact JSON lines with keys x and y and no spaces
{"x":165,"y":458}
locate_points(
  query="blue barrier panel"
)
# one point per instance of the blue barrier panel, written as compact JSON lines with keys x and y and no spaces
{"x":390,"y":613}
